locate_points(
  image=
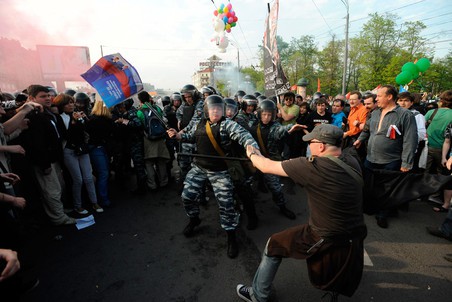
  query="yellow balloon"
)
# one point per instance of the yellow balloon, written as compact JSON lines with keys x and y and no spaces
{"x":225,"y":10}
{"x":228,"y":26}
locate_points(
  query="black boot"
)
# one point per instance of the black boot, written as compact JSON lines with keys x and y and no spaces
{"x":245,"y":194}
{"x":233,"y":247}
{"x":252,"y":222}
{"x":189,"y":229}
{"x":286,"y":212}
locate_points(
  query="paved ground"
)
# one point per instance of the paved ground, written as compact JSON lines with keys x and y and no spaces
{"x":136,"y":252}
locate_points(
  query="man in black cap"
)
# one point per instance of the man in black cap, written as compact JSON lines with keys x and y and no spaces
{"x":336,"y":228}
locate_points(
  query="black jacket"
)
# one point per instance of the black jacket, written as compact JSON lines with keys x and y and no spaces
{"x":42,"y":140}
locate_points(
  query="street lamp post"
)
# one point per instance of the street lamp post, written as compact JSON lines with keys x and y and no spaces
{"x":344,"y":74}
{"x":238,"y":65}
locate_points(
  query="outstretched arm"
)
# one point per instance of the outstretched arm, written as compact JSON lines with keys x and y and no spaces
{"x":264,"y":164}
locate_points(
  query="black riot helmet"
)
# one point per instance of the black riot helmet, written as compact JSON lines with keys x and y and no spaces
{"x":213,"y":89}
{"x":231,"y":107}
{"x":82,"y":102}
{"x":69,"y":91}
{"x":81,"y":97}
{"x":206,"y":91}
{"x":268,"y":106}
{"x":189,"y":88}
{"x":260,"y":99}
{"x":212,"y":101}
{"x":176,"y":97}
{"x":249,"y":100}
{"x":239,"y":95}
{"x":166,"y":100}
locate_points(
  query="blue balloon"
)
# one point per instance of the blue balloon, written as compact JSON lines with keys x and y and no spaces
{"x":225,"y":19}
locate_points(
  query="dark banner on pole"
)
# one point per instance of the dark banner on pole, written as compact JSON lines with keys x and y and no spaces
{"x":275,"y":79}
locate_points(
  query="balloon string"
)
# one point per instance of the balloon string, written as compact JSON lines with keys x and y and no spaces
{"x":420,"y":84}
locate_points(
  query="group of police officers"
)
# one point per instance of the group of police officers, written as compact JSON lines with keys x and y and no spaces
{"x":214,"y":132}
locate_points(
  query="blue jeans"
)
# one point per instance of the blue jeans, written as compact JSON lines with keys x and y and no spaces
{"x":100,"y":162}
{"x":79,"y":166}
{"x":264,"y":276}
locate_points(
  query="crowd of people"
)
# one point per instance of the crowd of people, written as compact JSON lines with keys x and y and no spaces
{"x":61,"y":151}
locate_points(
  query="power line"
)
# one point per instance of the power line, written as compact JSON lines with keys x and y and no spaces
{"x":322,"y":16}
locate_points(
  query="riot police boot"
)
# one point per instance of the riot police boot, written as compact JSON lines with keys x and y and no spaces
{"x":189,"y":229}
{"x":246,"y":196}
{"x":233,"y":247}
{"x":286,"y":212}
{"x":252,"y":222}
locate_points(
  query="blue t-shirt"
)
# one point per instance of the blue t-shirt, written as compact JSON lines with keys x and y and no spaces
{"x":338,"y":118}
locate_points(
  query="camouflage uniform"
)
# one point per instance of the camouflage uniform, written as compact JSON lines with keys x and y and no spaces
{"x":185,"y":161}
{"x":214,"y":170}
{"x":272,"y":135}
{"x":245,"y":120}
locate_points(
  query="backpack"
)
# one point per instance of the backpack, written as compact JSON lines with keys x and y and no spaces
{"x":153,"y":127}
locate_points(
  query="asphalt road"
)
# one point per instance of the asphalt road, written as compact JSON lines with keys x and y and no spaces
{"x":136,"y":252}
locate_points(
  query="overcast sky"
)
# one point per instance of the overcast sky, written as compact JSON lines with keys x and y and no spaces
{"x":166,"y":39}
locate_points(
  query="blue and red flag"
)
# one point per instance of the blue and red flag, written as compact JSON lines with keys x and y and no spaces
{"x":114,"y":78}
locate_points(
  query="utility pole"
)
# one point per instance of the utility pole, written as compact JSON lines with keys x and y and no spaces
{"x":238,"y":68}
{"x":344,"y":74}
{"x":101,"y":51}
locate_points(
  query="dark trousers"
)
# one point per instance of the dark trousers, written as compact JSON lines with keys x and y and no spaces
{"x":391,"y":166}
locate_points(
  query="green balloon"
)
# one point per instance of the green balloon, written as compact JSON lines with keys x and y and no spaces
{"x":411,"y":68}
{"x":423,"y":64}
{"x":404,"y":78}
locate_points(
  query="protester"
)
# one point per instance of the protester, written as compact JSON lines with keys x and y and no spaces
{"x":75,"y":153}
{"x":100,"y":130}
{"x":356,"y":117}
{"x":336,"y":223}
{"x":406,"y":100}
{"x":155,"y":151}
{"x":338,"y":116}
{"x":437,"y":121}
{"x":392,"y":139}
{"x":445,"y":230}
{"x":43,"y":146}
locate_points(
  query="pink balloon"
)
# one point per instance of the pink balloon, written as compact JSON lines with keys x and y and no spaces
{"x":228,"y":30}
{"x":232,"y":13}
{"x":230,"y":20}
{"x":229,"y":6}
{"x":215,"y":12}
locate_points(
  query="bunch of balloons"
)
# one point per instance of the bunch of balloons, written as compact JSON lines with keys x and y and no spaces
{"x":227,"y":16}
{"x":224,"y":20}
{"x":411,"y":71}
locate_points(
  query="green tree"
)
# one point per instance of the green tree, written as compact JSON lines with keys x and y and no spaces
{"x":330,"y":67}
{"x":380,"y":40}
{"x":412,"y":41}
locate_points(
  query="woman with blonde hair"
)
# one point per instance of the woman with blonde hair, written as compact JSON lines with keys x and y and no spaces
{"x":100,"y":129}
